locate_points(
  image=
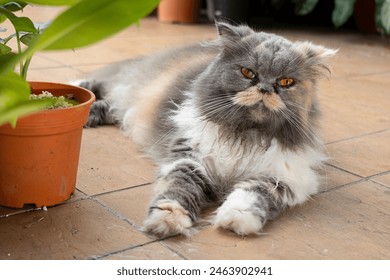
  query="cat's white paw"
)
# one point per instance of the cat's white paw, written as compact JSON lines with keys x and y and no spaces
{"x":239,"y":214}
{"x":167,"y":218}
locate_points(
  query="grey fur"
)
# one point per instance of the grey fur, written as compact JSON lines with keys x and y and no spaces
{"x":210,"y":77}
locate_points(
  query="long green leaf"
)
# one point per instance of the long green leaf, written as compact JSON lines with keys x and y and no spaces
{"x":89,"y":21}
{"x":342,"y":11}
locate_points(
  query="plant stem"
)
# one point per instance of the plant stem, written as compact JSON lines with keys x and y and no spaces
{"x":19,"y":52}
{"x":25,"y":67}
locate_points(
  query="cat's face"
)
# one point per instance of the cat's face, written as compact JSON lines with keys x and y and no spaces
{"x":261,"y":80}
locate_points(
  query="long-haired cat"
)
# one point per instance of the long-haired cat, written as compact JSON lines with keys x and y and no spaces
{"x":231,"y":122}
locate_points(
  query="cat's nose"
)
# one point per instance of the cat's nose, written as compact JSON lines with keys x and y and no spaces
{"x":265,"y":89}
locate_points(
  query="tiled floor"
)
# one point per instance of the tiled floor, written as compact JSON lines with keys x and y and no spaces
{"x":349,"y":220}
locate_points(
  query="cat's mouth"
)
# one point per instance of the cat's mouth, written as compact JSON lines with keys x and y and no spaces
{"x":258,"y":101}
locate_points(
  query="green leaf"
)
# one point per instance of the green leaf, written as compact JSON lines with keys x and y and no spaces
{"x":385,"y":17}
{"x":8,"y":62}
{"x":4,"y":49}
{"x":14,"y":6}
{"x":89,"y":21}
{"x":305,"y":7}
{"x":22,"y":108}
{"x":342,"y":11}
{"x":21,"y":24}
{"x":14,"y":99}
{"x":55,"y":2}
{"x":3,"y":18}
{"x":13,"y":90}
{"x":29,"y":39}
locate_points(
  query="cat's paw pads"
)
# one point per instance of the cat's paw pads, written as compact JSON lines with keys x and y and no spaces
{"x":239,"y":217}
{"x":168,"y":218}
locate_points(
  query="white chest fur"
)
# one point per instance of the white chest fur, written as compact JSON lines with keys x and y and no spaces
{"x":227,"y":162}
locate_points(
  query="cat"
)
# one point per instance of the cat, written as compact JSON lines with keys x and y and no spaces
{"x":232,"y":123}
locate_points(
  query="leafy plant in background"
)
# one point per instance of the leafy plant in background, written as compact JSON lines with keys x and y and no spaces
{"x":343,"y":10}
{"x":84,"y":22}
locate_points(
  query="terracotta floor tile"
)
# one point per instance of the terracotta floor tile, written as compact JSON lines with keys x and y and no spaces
{"x":365,"y":156}
{"x":110,"y":161}
{"x":77,"y":230}
{"x":153,"y":251}
{"x":353,"y":107}
{"x":57,"y":75}
{"x":333,"y":177}
{"x":383,"y":179}
{"x":349,"y":223}
{"x":132,"y":203}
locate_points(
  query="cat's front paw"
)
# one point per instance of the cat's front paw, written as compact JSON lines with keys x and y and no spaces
{"x":240,"y":216}
{"x":168,"y":217}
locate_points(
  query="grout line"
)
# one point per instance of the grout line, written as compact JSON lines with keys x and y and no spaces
{"x":362,"y":179}
{"x":138,"y":246}
{"x":135,"y":226}
{"x":344,"y":170}
{"x":117,"y":214}
{"x":124,"y":189}
{"x":344,"y":185}
{"x":358,"y":136}
{"x":22,"y":211}
{"x":379,"y":174}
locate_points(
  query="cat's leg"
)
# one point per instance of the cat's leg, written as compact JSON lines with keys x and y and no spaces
{"x":100,"y":112}
{"x":251,"y":204}
{"x":182,"y":190}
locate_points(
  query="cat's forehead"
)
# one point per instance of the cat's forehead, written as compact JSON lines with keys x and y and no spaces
{"x":265,"y":44}
{"x":270,"y":50}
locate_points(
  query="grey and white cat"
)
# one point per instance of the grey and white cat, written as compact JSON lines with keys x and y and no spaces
{"x":230,"y":123}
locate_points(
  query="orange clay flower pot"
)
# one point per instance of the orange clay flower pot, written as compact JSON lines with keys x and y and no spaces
{"x":39,"y":158}
{"x":181,"y":11}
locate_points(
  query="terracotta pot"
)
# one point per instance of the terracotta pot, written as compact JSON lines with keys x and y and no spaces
{"x":180,"y":11}
{"x":39,"y":158}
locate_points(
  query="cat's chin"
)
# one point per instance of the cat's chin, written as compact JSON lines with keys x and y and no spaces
{"x":259,"y":113}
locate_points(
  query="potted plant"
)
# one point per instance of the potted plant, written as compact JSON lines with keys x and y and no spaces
{"x":39,"y":146}
{"x":178,"y":11}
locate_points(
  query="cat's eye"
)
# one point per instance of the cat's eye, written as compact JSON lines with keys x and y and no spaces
{"x":249,"y":74}
{"x":286,"y":82}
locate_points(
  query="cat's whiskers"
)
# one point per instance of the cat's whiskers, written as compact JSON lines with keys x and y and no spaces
{"x":161,"y":139}
{"x":303,"y":129}
{"x":214,"y":107}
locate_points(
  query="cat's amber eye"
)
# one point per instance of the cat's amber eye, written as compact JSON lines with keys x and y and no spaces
{"x":248,"y":73}
{"x":286,"y":82}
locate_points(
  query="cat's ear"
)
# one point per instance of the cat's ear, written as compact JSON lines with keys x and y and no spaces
{"x":229,"y":34}
{"x":317,"y":57}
